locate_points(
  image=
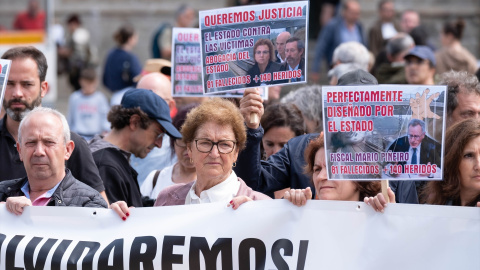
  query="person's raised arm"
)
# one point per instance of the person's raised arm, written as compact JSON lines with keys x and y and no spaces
{"x":252,"y":104}
{"x":248,"y":163}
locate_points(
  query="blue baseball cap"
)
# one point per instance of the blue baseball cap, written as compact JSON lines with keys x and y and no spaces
{"x":153,"y":105}
{"x":422,"y":52}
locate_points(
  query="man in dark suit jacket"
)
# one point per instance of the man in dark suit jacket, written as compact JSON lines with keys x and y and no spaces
{"x":421,"y":148}
{"x":294,"y":51}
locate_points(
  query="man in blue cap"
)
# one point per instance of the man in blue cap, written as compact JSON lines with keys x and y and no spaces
{"x":138,"y":126}
{"x":420,"y":65}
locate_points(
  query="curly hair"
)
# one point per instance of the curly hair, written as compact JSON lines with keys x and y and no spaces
{"x":454,"y":80}
{"x":365,"y":188}
{"x":268,"y":43}
{"x":119,"y":117}
{"x":219,"y":111}
{"x":457,"y":137}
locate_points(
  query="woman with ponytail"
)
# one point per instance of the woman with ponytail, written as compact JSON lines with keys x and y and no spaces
{"x":121,"y":64}
{"x":452,"y":55}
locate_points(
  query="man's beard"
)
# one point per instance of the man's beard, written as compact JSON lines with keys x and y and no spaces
{"x":290,"y":62}
{"x":18,"y":114}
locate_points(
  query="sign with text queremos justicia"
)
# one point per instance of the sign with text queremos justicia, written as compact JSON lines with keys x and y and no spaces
{"x":384,"y":132}
{"x":252,"y":46}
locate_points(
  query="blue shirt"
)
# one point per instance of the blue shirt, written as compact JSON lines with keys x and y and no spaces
{"x":41,"y":200}
{"x":302,"y":78}
{"x":120,"y":69}
{"x":349,"y":35}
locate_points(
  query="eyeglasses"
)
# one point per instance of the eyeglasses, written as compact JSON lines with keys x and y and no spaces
{"x":415,"y":137}
{"x":180,"y":143}
{"x":160,"y":136}
{"x":223,"y":146}
{"x":260,"y":52}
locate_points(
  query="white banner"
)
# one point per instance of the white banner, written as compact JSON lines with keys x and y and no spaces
{"x":259,"y":235}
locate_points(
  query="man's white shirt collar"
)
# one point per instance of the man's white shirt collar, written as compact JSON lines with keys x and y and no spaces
{"x":280,"y":57}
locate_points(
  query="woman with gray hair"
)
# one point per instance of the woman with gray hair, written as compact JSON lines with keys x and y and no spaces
{"x":339,"y":70}
{"x":309,"y":100}
{"x":351,"y":52}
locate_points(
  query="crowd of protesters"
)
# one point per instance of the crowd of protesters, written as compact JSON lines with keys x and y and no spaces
{"x":212,"y":150}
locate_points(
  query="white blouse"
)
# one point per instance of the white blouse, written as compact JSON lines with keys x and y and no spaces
{"x":222,"y":192}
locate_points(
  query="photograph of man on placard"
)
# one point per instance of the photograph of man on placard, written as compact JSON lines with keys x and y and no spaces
{"x":421,"y":148}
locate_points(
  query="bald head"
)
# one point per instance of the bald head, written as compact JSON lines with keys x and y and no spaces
{"x":280,"y":43}
{"x":158,"y":83}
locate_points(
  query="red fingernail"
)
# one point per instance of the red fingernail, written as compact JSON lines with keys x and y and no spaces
{"x":128,"y":214}
{"x":231,"y":202}
{"x":124,"y":218}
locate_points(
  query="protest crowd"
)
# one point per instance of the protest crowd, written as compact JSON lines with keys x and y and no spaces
{"x":147,"y":148}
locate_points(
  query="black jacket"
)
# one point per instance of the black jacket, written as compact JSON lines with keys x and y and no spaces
{"x":118,"y":176}
{"x":70,"y":192}
{"x":430,"y":150}
{"x":286,"y":168}
{"x":301,"y":66}
{"x":255,"y":71}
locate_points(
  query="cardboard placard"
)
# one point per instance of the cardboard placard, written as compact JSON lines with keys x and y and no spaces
{"x":379,"y":132}
{"x":186,"y":62}
{"x":228,"y":39}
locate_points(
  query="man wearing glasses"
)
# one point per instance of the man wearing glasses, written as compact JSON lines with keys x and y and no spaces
{"x":421,"y":149}
{"x":138,"y":126}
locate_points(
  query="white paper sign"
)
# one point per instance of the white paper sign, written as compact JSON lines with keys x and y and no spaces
{"x":260,"y":235}
{"x":375,"y":132}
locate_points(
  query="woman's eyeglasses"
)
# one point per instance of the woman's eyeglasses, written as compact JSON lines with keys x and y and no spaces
{"x":223,"y":146}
